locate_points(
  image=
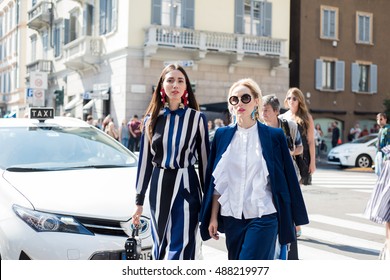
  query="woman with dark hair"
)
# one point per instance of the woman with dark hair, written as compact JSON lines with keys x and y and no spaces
{"x":174,"y":138}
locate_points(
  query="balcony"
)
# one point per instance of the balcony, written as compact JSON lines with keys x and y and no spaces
{"x":39,"y":65}
{"x":40,"y":15}
{"x":204,"y":42}
{"x":83,"y":53}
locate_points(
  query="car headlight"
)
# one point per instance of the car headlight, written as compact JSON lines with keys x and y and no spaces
{"x":45,"y":222}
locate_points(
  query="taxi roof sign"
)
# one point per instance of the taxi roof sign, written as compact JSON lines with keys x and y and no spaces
{"x":42,"y":113}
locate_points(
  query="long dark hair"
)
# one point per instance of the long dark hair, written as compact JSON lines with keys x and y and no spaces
{"x":156,"y":104}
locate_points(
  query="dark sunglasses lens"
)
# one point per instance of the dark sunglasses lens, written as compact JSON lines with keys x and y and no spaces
{"x":233,"y":100}
{"x":246,"y":98}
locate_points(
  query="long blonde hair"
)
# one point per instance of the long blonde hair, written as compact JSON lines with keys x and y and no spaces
{"x":156,"y":104}
{"x":302,"y":114}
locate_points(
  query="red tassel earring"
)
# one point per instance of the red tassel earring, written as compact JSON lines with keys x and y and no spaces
{"x":185,"y":98}
{"x":163,"y":94}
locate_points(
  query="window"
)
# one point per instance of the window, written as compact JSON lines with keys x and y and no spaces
{"x":171,"y":13}
{"x":253,"y":17}
{"x":329,"y":22}
{"x":45,"y":43}
{"x":330,"y":75}
{"x":33,"y":47}
{"x":364,"y":28}
{"x":175,"y":13}
{"x":57,"y":39}
{"x":364,"y":77}
{"x":108,"y":16}
{"x":88,"y":20}
{"x":73,"y":26}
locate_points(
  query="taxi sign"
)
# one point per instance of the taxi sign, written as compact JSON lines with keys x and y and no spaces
{"x":41,"y":113}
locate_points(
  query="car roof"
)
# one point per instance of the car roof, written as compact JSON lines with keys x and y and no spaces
{"x":56,"y":121}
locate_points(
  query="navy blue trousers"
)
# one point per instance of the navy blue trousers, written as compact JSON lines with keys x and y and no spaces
{"x":251,"y":239}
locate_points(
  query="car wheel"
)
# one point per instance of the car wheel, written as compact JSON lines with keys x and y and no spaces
{"x":363,"y":161}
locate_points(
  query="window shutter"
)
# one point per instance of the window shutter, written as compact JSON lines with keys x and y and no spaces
{"x":66,"y":31}
{"x":373,"y":78}
{"x":239,"y":17}
{"x":114,"y":15}
{"x":267,"y":19}
{"x":188,"y":8}
{"x":340,"y":73}
{"x":156,"y":12}
{"x":318,"y":74}
{"x":102,"y":17}
{"x":355,"y":77}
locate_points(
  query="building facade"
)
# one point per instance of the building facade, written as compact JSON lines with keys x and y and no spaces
{"x":105,"y":56}
{"x":13,"y":41}
{"x":339,"y":60}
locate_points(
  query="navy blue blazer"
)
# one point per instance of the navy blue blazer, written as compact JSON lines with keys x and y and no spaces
{"x":286,"y":191}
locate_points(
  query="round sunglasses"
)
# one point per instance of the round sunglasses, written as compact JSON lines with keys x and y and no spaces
{"x":245,"y":99}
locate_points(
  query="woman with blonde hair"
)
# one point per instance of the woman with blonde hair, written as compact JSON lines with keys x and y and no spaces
{"x":252,"y":192}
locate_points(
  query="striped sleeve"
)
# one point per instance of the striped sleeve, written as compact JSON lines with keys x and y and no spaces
{"x":145,"y":167}
{"x":203,"y":148}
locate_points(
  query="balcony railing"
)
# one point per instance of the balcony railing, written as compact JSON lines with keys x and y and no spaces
{"x":40,"y":14}
{"x":39,"y":65}
{"x":83,"y":52}
{"x":217,"y":41}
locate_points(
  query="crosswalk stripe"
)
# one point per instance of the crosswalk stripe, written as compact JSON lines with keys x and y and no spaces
{"x":309,"y":253}
{"x":337,"y":238}
{"x":346,"y":224}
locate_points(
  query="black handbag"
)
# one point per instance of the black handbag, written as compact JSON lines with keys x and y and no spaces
{"x":133,"y":246}
{"x":303,"y":169}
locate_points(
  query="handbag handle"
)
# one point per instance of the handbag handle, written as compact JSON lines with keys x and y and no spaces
{"x":135,"y":231}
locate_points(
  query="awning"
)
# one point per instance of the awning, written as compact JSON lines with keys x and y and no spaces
{"x":89,"y":104}
{"x":73,"y":103}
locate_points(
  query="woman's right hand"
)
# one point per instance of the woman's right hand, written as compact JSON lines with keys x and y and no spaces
{"x":137,"y":215}
{"x":213,"y":229}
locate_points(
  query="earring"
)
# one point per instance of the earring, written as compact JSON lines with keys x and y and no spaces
{"x":253,"y":114}
{"x":163,"y":94}
{"x":185,"y":98}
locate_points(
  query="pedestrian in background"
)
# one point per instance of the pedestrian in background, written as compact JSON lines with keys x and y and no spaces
{"x":298,"y":112}
{"x":211,"y":129}
{"x":134,"y":128}
{"x":174,"y":138}
{"x":354,"y":132}
{"x":124,"y":134}
{"x":335,"y":134}
{"x":383,"y":141}
{"x":252,"y":192}
{"x":270,"y":113}
{"x":318,"y":135}
{"x":109,"y":127}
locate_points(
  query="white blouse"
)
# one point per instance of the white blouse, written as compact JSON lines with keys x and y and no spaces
{"x":241,"y":177}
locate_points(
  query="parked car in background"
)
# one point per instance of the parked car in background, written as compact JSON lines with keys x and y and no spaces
{"x":67,"y":191}
{"x":360,"y":152}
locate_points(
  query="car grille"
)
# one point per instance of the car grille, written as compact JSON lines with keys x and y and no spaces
{"x":105,"y":227}
{"x":334,"y":160}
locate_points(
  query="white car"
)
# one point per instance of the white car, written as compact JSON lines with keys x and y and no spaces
{"x":360,"y":152}
{"x":67,"y":191}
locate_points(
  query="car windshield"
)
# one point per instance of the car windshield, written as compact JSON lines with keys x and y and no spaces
{"x":58,"y":148}
{"x":365,"y":139}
